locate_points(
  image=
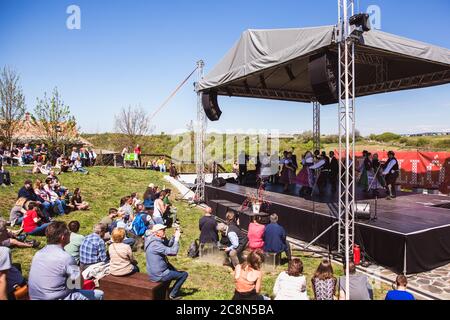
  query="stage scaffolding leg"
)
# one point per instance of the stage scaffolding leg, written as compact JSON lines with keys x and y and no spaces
{"x":200,"y":138}
{"x":316,"y":125}
{"x":346,"y":111}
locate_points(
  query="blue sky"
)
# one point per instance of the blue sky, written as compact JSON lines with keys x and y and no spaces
{"x":135,"y":52}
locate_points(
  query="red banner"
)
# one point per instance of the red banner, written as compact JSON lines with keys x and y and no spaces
{"x":428,"y":170}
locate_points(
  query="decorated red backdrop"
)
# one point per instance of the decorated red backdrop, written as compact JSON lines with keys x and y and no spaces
{"x":430,"y":170}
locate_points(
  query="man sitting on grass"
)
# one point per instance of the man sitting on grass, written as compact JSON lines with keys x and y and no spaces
{"x":5,"y":177}
{"x":9,"y":239}
{"x":73,"y":247}
{"x":52,"y":267}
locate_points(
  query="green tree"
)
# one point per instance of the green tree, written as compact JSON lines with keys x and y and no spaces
{"x":54,"y":119}
{"x":12,"y":104}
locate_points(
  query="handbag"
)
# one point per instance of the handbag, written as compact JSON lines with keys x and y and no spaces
{"x":21,"y":292}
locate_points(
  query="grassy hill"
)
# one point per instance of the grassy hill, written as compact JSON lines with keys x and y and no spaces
{"x":103,"y":188}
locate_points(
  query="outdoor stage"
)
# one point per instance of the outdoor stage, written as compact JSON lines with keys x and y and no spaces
{"x":411,"y":234}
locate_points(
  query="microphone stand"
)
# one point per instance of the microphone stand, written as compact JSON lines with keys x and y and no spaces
{"x":375,"y":218}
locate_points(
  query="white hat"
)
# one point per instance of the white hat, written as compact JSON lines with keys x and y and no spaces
{"x":158,"y":227}
{"x":151,"y":185}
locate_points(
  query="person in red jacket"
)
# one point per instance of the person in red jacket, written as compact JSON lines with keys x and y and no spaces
{"x":31,"y":223}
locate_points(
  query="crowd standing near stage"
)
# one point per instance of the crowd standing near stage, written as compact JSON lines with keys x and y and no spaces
{"x":141,"y":224}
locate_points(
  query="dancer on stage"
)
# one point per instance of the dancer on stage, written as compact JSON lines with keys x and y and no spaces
{"x":320,"y":168}
{"x":377,"y":177}
{"x":334,"y":172}
{"x":391,"y":173}
{"x":305,"y":178}
{"x":288,"y":171}
{"x":364,"y":170}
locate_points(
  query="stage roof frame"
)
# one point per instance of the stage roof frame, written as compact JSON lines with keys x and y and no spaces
{"x":273,"y":64}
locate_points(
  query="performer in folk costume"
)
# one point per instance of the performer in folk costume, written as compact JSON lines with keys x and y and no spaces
{"x":334,"y":172}
{"x":288,"y":171}
{"x":319,"y":170}
{"x":305,"y":178}
{"x":391,"y":173}
{"x":377,"y":181}
{"x":365,"y":169}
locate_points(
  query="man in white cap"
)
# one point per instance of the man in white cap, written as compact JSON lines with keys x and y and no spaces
{"x":157,"y":248}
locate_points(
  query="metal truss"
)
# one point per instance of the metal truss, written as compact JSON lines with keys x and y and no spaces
{"x":200,"y":139}
{"x":420,"y":81}
{"x":316,"y":125}
{"x":246,"y":91}
{"x":346,"y":113}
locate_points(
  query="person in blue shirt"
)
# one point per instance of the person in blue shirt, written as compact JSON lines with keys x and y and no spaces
{"x":400,"y":293}
{"x":275,"y":238}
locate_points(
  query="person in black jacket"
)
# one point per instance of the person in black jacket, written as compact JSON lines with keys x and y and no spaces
{"x":208,"y":228}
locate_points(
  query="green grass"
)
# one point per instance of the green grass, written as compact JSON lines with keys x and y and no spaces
{"x":103,"y":188}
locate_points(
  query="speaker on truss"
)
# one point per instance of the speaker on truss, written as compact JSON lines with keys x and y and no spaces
{"x":323,"y":74}
{"x":211,"y":106}
{"x":219,"y":182}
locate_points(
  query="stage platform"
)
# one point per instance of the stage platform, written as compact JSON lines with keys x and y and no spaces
{"x":410,"y":235}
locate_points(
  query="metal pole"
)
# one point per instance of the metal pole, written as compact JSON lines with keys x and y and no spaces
{"x":200,"y":137}
{"x":347,"y":129}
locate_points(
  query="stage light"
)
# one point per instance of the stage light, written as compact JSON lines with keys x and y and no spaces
{"x":359,"y":23}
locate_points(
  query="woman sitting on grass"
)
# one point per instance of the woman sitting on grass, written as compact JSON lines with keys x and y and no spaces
{"x":77,"y":201}
{"x":122,"y":262}
{"x":324,"y":282}
{"x":78,"y":167}
{"x":291,"y":284}
{"x":248,"y":277}
{"x":256,"y":234}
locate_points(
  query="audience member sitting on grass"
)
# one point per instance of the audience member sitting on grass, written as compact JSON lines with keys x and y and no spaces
{"x":248,"y":277}
{"x":160,"y":208}
{"x":275,"y":238}
{"x":208,"y":228}
{"x":78,"y":167}
{"x":74,"y":155}
{"x":157,"y":249}
{"x":360,"y":287}
{"x":109,"y":219}
{"x":73,"y":247}
{"x":173,"y":171}
{"x":256,"y":234}
{"x":29,"y":193}
{"x":77,"y":201}
{"x":324,"y":282}
{"x":400,"y":293}
{"x":62,"y":163}
{"x":9,"y":238}
{"x":17,"y":212}
{"x":10,"y":277}
{"x":291,"y":284}
{"x":27,"y":154}
{"x":122,"y":262}
{"x":40,"y":168}
{"x":93,"y":248}
{"x":58,"y":205}
{"x":31,"y":223}
{"x":142,"y":221}
{"x":237,"y":241}
{"x":149,"y":194}
{"x":126,"y":206}
{"x":5,"y":177}
{"x":170,"y":215}
{"x":52,"y":269}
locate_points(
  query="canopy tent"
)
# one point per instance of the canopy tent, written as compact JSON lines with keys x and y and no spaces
{"x":273,"y":64}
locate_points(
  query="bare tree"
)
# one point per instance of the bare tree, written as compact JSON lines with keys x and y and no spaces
{"x":12,"y":104}
{"x":52,"y":116}
{"x":133,"y":122}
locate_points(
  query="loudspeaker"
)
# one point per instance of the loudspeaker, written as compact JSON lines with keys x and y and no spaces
{"x":211,"y":106}
{"x":363,"y":211}
{"x":323,"y":75}
{"x":219,"y":182}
